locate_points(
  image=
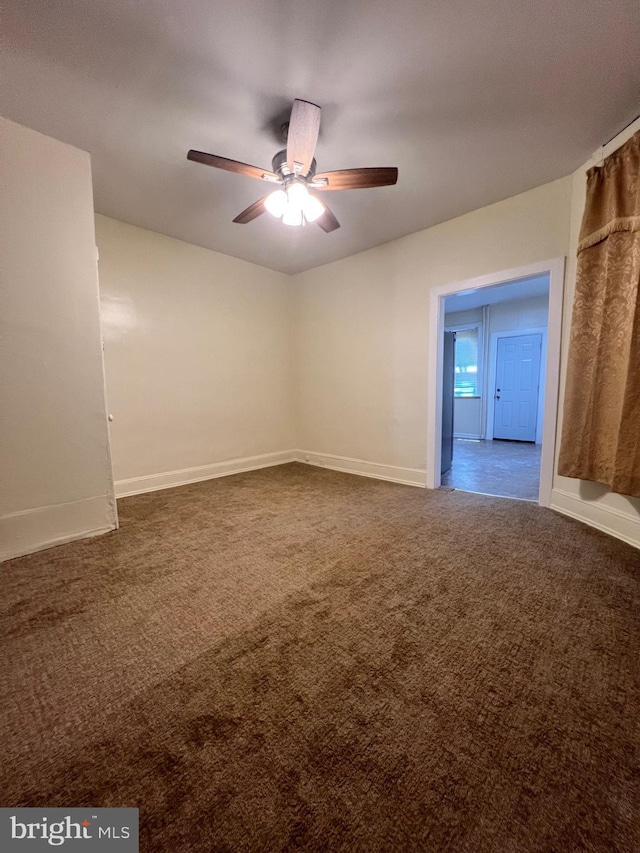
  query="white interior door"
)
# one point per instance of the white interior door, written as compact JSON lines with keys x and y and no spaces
{"x":516,"y":392}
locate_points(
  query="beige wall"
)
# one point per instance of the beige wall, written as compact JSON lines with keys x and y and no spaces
{"x":55,"y":476}
{"x":198,"y":358}
{"x":362,"y":323}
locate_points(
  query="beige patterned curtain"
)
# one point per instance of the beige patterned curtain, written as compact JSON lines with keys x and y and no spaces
{"x":601,"y":428}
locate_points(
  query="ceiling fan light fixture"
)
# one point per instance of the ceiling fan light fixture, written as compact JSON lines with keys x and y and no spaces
{"x":295,"y":170}
{"x":313,"y":208}
{"x":292,"y":215}
{"x":297,"y":194}
{"x":276,"y":203}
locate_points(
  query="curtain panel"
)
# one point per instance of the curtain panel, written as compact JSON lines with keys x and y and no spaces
{"x":601,"y":427}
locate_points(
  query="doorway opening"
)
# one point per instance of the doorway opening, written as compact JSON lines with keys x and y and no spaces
{"x":495,"y":358}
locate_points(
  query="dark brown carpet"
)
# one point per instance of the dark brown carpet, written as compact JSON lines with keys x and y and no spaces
{"x":299,"y":659}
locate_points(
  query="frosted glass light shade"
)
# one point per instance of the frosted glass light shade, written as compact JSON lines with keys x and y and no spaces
{"x":313,"y":208}
{"x":292,"y":215}
{"x":276,"y":203}
{"x":297,"y":194}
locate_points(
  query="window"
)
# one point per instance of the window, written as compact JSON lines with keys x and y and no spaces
{"x":467,"y":360}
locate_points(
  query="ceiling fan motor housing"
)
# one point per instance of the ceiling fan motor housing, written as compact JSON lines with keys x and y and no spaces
{"x":280,"y":167}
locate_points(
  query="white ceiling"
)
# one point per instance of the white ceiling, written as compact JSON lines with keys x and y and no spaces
{"x":524,"y":288}
{"x":473,"y":101}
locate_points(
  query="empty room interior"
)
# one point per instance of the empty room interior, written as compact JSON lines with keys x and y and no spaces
{"x":320,"y":426}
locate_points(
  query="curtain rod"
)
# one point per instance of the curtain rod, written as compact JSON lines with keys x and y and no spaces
{"x":598,"y":156}
{"x":622,"y":130}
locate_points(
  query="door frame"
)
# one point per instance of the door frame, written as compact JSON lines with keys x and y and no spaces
{"x":493,"y":367}
{"x":555,"y":269}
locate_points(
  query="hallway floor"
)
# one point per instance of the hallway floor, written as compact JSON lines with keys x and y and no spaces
{"x":508,"y":469}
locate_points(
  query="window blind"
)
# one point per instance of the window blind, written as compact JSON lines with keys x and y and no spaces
{"x":466,"y":364}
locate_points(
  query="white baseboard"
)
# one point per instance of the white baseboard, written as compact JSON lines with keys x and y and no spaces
{"x":470,"y":435}
{"x":169,"y":479}
{"x":37,"y":529}
{"x":376,"y":470}
{"x":608,"y":520}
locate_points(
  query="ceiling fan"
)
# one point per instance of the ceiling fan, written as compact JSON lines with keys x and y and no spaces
{"x":294,"y":171}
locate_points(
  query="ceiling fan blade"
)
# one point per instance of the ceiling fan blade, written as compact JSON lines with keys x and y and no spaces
{"x":328,"y":221}
{"x":232,"y":166}
{"x":252,"y":212}
{"x":302,"y":137}
{"x":355,"y":179}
